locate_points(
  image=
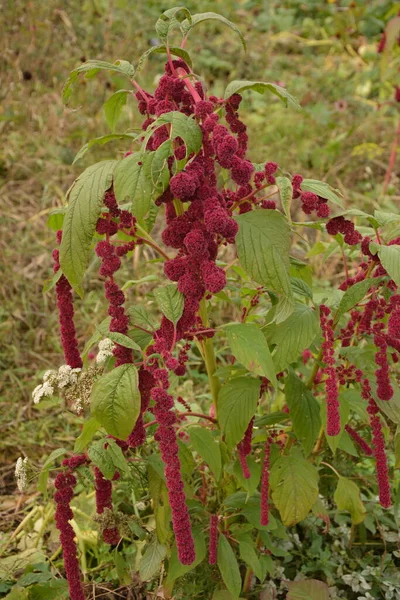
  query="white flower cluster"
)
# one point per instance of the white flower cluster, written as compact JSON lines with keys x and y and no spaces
{"x":21,"y":473}
{"x":106,"y":348}
{"x":356,"y":581}
{"x":65,"y":376}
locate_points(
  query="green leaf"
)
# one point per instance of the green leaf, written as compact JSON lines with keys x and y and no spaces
{"x":169,"y":21}
{"x":140,"y":317}
{"x":155,"y":167}
{"x":186,"y":26}
{"x":390,"y":260}
{"x":53,"y":457}
{"x":249,"y":556}
{"x":250,"y":484}
{"x":55,"y":219}
{"x":347,"y":497}
{"x":308,"y":589}
{"x":102,"y":459}
{"x":181,"y":126}
{"x":321,"y":189}
{"x":88,"y":432}
{"x":294,"y":484}
{"x":228,"y":567}
{"x":271,"y":419}
{"x":170,"y":302}
{"x":161,"y":507}
{"x":84,"y":209}
{"x":101,"y":332}
{"x":176,"y":568}
{"x":104,"y":139}
{"x":203,"y":442}
{"x":50,"y":283}
{"x":55,"y":589}
{"x":130,"y":184}
{"x":304,"y":411}
{"x":162,"y":49}
{"x":237,"y":403}
{"x":300,"y":287}
{"x":91,"y":68}
{"x":113,"y":107}
{"x":391,"y":408}
{"x":250,"y":347}
{"x":263,"y":244}
{"x":123,"y":340}
{"x":151,"y":560}
{"x":117,"y":456}
{"x":354,"y":294}
{"x":293,"y":336}
{"x":286,"y":193}
{"x":237,"y":87}
{"x":115,"y":400}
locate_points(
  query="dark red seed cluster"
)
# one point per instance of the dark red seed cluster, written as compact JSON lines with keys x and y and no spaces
{"x":64,"y":484}
{"x":213,"y":543}
{"x":65,"y":307}
{"x":346,"y":228}
{"x":331,"y":382}
{"x":365,"y":447}
{"x":104,"y":500}
{"x":244,"y":449}
{"x":378,"y":444}
{"x":265,"y":482}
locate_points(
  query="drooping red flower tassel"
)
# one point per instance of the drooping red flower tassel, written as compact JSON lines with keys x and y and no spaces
{"x":65,"y":307}
{"x":166,"y":437}
{"x":213,"y":544}
{"x":103,"y":501}
{"x":378,"y":444}
{"x":365,"y":447}
{"x":64,"y":484}
{"x":265,"y":483}
{"x":331,"y":383}
{"x":244,"y":449}
{"x":384,"y":389}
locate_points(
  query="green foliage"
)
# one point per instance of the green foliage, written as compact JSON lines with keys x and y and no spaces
{"x":237,"y":402}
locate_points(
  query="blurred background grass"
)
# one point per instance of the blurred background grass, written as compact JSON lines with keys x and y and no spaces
{"x":325,"y":53}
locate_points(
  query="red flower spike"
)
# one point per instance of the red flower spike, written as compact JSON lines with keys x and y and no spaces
{"x":213,"y":544}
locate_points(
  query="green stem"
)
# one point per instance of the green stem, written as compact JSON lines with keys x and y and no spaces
{"x":209,"y":357}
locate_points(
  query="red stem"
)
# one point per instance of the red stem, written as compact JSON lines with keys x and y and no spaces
{"x":392,"y":159}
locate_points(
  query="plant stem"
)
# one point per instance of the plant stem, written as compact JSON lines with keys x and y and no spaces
{"x":330,"y":466}
{"x":392,"y":160}
{"x":209,"y":357}
{"x":147,"y":239}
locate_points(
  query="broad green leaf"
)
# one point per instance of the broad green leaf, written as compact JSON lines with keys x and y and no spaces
{"x":397,"y":448}
{"x":117,"y":456}
{"x":84,"y":209}
{"x":271,"y":419}
{"x":354,"y":294}
{"x":91,"y":68}
{"x":102,"y":459}
{"x":263,"y":244}
{"x":249,"y":346}
{"x":170,"y":302}
{"x":151,"y":560}
{"x":113,"y":107}
{"x":176,"y":568}
{"x":237,"y":403}
{"x":53,"y":457}
{"x":299,"y":286}
{"x":104,"y":139}
{"x":186,"y":26}
{"x":181,"y":126}
{"x":155,"y":167}
{"x":10,"y":565}
{"x":390,"y":408}
{"x":115,"y":400}
{"x":390,"y":260}
{"x":50,"y":283}
{"x":250,"y":484}
{"x":203,"y":442}
{"x":140,"y":317}
{"x":161,"y":507}
{"x":123,"y":340}
{"x":321,"y":189}
{"x":130,"y":184}
{"x":169,"y":21}
{"x":162,"y":49}
{"x":286,"y":193}
{"x":237,"y":87}
{"x":294,"y":484}
{"x":88,"y":432}
{"x":228,"y":566}
{"x":55,"y":219}
{"x":308,"y":589}
{"x":347,"y":497}
{"x":293,"y":336}
{"x":249,"y":556}
{"x":304,"y":411}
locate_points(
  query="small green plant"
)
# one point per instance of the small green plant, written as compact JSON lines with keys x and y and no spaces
{"x":294,"y":373}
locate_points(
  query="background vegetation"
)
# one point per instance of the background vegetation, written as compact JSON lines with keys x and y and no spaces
{"x":326,"y":54}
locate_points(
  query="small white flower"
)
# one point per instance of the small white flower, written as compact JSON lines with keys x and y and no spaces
{"x":21,"y":473}
{"x":78,"y":406}
{"x":67,"y":376}
{"x":140,"y":505}
{"x":50,"y":376}
{"x":106,"y":348}
{"x":43,"y":390}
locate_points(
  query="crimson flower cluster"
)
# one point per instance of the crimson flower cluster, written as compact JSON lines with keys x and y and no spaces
{"x":104,"y":500}
{"x":213,"y":543}
{"x":331,"y":383}
{"x":65,"y":307}
{"x":64,"y":484}
{"x":265,"y":482}
{"x":244,"y":449}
